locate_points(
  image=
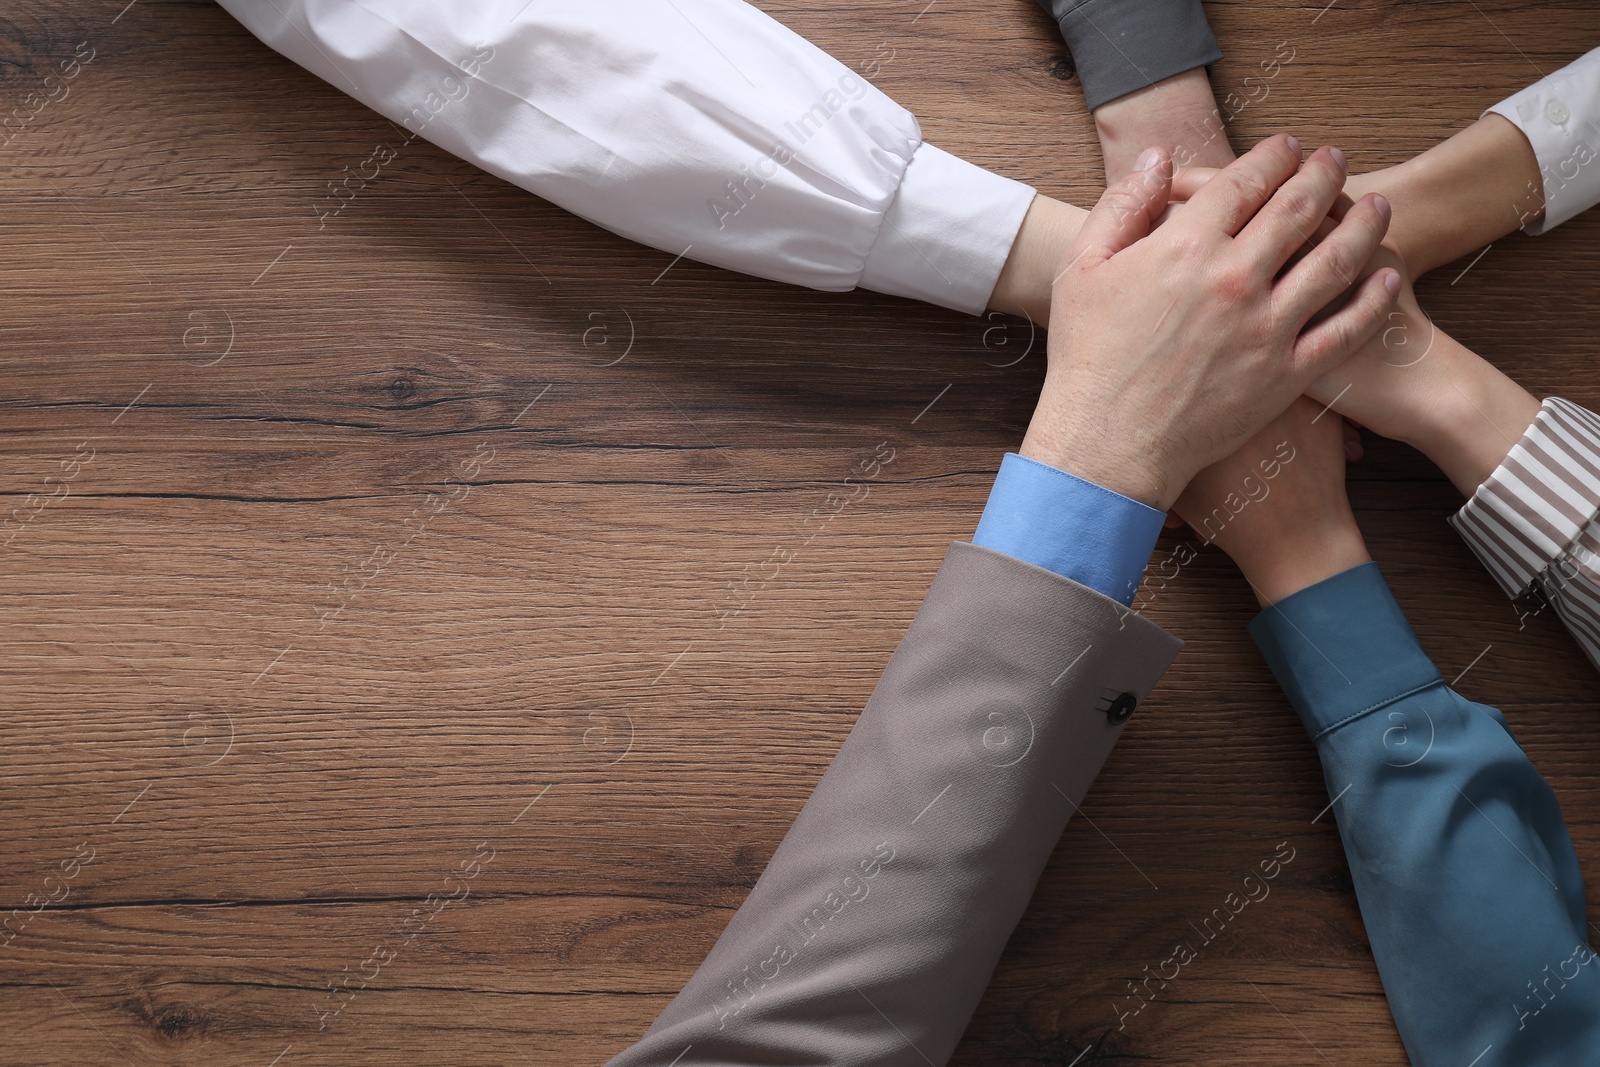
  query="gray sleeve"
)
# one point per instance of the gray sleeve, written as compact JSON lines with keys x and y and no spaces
{"x":1120,"y":46}
{"x":874,"y":929}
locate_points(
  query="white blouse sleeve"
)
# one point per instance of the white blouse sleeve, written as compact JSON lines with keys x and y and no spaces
{"x":703,"y":128}
{"x":1560,"y":116}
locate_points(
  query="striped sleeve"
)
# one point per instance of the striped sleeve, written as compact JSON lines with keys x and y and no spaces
{"x":1534,"y":522}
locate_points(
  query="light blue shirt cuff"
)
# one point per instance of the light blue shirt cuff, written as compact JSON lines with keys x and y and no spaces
{"x":1077,"y":529}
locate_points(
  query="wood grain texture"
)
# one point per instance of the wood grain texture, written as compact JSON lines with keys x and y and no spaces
{"x":281,"y":666}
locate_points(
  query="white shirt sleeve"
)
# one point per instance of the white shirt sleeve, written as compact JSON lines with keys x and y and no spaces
{"x":703,"y":128}
{"x":1560,"y":116}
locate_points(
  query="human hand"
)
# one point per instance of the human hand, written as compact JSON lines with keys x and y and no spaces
{"x":1398,"y":382}
{"x":1168,"y":349}
{"x":1277,"y":505}
{"x":1414,"y":383}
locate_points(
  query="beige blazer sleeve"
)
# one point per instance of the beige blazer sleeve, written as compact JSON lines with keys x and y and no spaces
{"x":878,"y":922}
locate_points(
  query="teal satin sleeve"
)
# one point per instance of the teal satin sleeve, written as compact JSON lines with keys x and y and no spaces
{"x":1467,"y":880}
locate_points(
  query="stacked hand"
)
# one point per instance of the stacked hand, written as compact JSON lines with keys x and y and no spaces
{"x":1277,"y":505}
{"x":1171,"y":347}
{"x":1168,"y":349}
{"x":1414,"y":383}
{"x":1408,"y":381}
{"x":1411,"y":381}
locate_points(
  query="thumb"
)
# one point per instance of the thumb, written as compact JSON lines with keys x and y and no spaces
{"x":1126,"y":211}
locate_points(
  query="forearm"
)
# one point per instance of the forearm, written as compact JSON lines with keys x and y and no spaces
{"x":1178,"y":114}
{"x":1415,"y":383}
{"x":873,"y":931}
{"x":1467,"y":881}
{"x":1460,"y":195}
{"x":1470,"y":416}
{"x":1278,"y":507}
{"x":646,"y":123}
{"x":1283,"y":566}
{"x":1530,"y":163}
{"x":1030,"y":269}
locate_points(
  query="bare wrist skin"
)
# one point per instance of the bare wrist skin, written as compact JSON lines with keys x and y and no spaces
{"x":1461,"y":194}
{"x":1123,"y":467}
{"x":1023,"y":288}
{"x":1178,"y":114}
{"x":1295,"y":561}
{"x":1477,"y":414}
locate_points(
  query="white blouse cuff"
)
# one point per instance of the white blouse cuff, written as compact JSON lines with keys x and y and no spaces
{"x":1560,"y":116}
{"x":946,"y":235}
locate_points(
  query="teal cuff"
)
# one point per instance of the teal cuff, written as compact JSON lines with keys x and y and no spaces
{"x":1342,"y":649}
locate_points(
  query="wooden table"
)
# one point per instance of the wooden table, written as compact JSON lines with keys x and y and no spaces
{"x":413,"y":542}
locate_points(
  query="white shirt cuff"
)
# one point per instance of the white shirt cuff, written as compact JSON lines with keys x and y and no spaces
{"x":1560,"y":117}
{"x":948,"y":232}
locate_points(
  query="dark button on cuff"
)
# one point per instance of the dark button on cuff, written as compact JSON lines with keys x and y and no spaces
{"x":1121,"y":709}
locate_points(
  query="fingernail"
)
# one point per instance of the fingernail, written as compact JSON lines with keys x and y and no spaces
{"x":1338,"y":157}
{"x":1148,"y":159}
{"x":1383,"y":206}
{"x":1293,"y":142}
{"x":1391,"y":282}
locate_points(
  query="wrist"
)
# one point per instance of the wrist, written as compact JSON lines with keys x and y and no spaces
{"x":1297,"y":559}
{"x":1178,"y":114}
{"x":1477,"y":415}
{"x":1479,"y":185}
{"x":1023,"y":288}
{"x":1131,"y":474}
